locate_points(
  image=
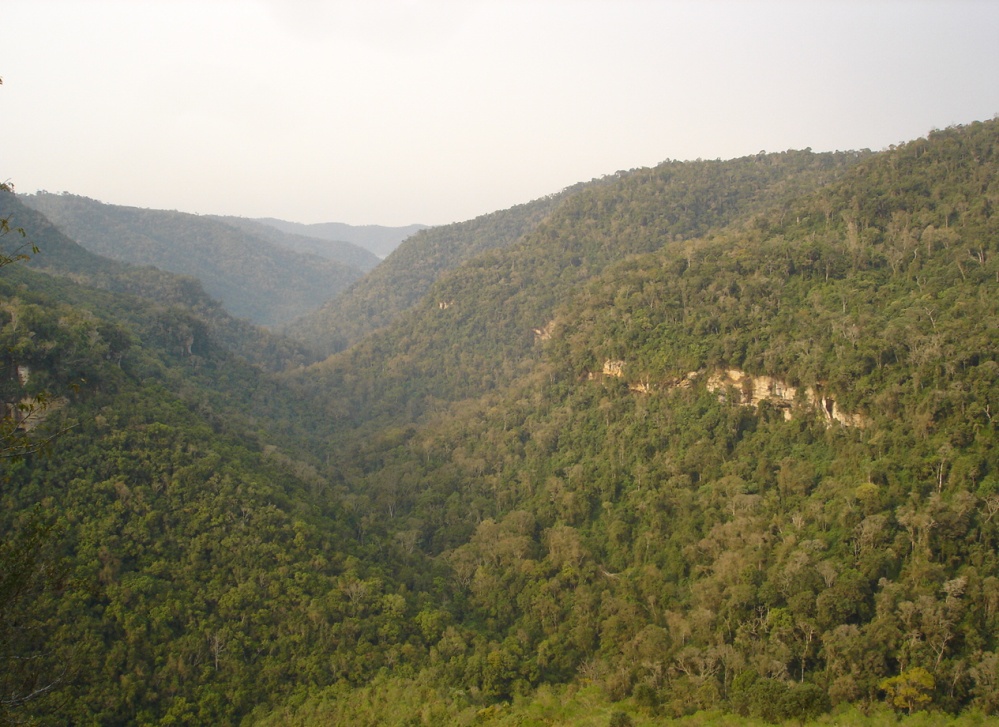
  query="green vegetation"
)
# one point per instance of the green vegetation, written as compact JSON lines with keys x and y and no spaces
{"x":399,"y":283}
{"x":253,"y":277}
{"x":172,"y":294}
{"x":709,"y":443}
{"x":186,"y":535}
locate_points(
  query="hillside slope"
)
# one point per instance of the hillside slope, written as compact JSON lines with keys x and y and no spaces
{"x":479,"y":322}
{"x":407,"y":274}
{"x":60,"y":256}
{"x":170,"y":551}
{"x":251,"y":276}
{"x":344,"y":252}
{"x":754,"y":470}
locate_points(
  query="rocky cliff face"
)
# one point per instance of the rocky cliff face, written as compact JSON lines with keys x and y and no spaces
{"x":738,"y":387}
{"x":749,"y":390}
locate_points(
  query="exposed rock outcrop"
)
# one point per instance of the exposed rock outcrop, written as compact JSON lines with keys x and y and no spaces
{"x":544,"y":334}
{"x":613,"y":368}
{"x":750,"y":390}
{"x":744,"y":389}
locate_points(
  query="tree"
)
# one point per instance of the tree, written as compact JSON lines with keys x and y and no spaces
{"x":910,"y":690}
{"x":17,"y":254}
{"x":804,"y":702}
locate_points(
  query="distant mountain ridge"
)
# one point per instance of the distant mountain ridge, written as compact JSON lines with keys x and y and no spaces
{"x":61,"y":257}
{"x":339,"y":250}
{"x":379,"y":239}
{"x":253,"y":277}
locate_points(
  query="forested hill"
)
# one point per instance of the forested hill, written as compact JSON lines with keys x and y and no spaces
{"x":254,"y":278}
{"x":170,"y":551}
{"x":752,"y":469}
{"x":404,"y":278}
{"x":673,"y":199}
{"x":479,"y":323}
{"x":344,"y":252}
{"x":63,"y":257}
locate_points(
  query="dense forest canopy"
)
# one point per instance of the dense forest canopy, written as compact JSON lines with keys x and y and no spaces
{"x":713,"y":436}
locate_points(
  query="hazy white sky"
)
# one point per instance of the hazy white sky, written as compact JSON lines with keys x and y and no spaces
{"x":433,"y":111}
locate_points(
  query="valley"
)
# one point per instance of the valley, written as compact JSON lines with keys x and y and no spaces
{"x":710,"y":442}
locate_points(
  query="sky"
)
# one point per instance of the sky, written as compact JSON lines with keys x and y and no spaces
{"x":394,"y":112}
